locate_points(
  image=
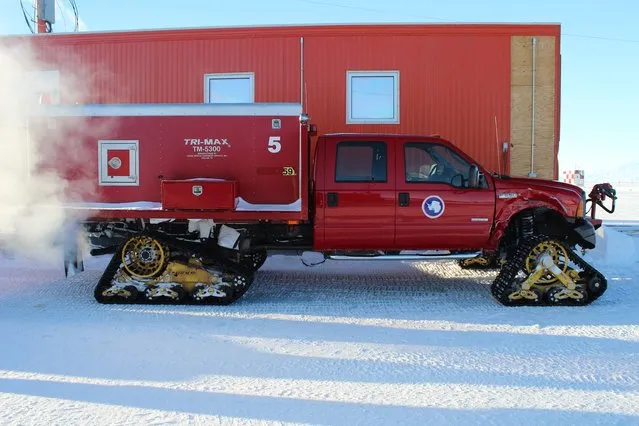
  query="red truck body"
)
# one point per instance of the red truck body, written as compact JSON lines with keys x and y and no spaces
{"x":192,"y":198}
{"x":371,"y":216}
{"x":253,"y":163}
{"x":226,"y":162}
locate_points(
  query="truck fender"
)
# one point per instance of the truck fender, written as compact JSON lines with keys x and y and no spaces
{"x":507,"y":209}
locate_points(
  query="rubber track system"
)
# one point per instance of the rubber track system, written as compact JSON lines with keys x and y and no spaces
{"x":239,"y":279}
{"x":590,"y":282}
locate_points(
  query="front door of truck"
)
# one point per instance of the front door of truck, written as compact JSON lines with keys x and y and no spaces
{"x":435,"y":207}
{"x":359,"y":194}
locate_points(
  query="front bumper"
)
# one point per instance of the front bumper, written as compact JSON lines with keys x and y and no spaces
{"x":584,"y":233}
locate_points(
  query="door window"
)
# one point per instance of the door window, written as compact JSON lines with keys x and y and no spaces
{"x":434,"y":163}
{"x":361,"y":162}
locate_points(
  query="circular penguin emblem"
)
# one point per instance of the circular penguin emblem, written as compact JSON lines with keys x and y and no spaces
{"x":433,"y":207}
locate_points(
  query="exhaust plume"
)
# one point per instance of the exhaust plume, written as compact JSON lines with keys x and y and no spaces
{"x":37,"y":154}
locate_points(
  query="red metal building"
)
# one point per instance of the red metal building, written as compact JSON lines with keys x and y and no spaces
{"x":471,"y":84}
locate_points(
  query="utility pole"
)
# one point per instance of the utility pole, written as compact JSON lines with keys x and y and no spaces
{"x":44,"y":13}
{"x":42,"y":26}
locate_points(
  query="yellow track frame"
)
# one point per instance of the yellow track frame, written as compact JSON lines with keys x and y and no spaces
{"x":559,"y":257}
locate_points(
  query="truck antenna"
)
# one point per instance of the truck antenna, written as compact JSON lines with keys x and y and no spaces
{"x":497,"y":140}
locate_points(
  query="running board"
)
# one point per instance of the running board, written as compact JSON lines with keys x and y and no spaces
{"x":405,"y":257}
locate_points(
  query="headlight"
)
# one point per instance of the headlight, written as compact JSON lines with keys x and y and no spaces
{"x":581,"y":208}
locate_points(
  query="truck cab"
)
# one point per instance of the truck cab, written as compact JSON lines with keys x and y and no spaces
{"x":391,"y":192}
{"x":394,"y":193}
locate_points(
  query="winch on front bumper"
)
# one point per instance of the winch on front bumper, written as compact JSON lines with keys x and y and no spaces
{"x":583,"y":229}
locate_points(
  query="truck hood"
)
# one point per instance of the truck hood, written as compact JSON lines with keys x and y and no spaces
{"x":561,"y":196}
{"x":537,"y":184}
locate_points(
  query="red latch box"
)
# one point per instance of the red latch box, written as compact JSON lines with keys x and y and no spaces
{"x":199,"y":194}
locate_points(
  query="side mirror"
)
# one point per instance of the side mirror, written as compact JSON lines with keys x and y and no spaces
{"x":457,"y":181}
{"x":473,"y":176}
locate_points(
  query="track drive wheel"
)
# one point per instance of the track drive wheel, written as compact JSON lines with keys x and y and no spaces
{"x":143,"y":256}
{"x":545,"y":271}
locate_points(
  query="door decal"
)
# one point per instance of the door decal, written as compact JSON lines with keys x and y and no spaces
{"x":433,"y":207}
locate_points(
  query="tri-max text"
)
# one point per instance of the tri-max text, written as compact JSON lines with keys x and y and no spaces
{"x":207,"y":141}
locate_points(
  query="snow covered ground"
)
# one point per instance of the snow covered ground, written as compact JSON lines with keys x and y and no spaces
{"x":341,"y":343}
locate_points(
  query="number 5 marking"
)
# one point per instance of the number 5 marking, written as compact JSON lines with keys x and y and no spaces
{"x":274,"y":145}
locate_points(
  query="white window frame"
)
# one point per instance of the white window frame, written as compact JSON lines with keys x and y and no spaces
{"x":390,"y":73}
{"x":222,"y":76}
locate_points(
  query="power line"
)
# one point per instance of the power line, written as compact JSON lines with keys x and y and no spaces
{"x":626,"y":40}
{"x":26,"y":17}
{"x":76,"y":14}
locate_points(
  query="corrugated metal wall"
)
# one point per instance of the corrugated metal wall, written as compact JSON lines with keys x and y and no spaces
{"x":172,"y":71}
{"x":454,"y":79}
{"x":449,"y":85}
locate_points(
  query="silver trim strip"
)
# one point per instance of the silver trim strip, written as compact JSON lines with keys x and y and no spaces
{"x":147,"y":110}
{"x":507,"y":195}
{"x":409,"y":257}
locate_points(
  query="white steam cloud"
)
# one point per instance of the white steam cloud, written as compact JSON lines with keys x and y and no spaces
{"x":36,"y":153}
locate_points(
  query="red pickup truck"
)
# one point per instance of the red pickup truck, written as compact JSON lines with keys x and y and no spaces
{"x":191,"y":199}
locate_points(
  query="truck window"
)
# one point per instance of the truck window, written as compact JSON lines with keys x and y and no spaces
{"x":434,"y":163}
{"x":361,"y":162}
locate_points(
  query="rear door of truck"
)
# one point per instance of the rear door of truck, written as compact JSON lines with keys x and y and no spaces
{"x":358,"y":198}
{"x":435,"y":208}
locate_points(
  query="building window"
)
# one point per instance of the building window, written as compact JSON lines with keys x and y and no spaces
{"x":361,"y":162}
{"x":372,"y":97}
{"x":229,"y":88}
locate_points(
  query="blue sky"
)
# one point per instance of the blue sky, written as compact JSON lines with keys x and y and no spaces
{"x":600,"y":48}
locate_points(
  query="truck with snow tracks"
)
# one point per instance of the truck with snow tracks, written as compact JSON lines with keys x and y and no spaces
{"x":191,"y":199}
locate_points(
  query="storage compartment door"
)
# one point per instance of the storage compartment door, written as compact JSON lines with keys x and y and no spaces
{"x":118,"y":163}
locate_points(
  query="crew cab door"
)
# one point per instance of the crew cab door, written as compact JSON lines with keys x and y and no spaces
{"x":358,"y":198}
{"x":435,"y":207}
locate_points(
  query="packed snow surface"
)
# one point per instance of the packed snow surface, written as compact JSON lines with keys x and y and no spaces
{"x":341,"y":343}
